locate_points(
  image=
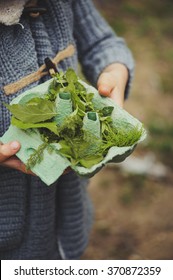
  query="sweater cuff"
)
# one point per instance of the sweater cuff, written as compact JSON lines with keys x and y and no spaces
{"x":106,"y":56}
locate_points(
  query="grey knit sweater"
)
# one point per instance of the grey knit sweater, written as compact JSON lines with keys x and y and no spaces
{"x":36,"y":221}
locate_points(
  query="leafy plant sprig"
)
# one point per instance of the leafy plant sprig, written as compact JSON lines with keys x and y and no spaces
{"x":37,"y":156}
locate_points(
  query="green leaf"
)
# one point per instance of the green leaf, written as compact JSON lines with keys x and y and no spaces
{"x":65,"y":149}
{"x":107,"y":119}
{"x":107,"y":111}
{"x":90,"y":161}
{"x":71,"y":76}
{"x":89,"y":96}
{"x":28,"y":97}
{"x":49,"y":125}
{"x":71,"y":126}
{"x":70,"y":88}
{"x":36,"y":110}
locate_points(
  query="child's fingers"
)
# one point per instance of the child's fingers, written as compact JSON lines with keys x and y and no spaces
{"x":12,"y":162}
{"x":23,"y":168}
{"x":8,"y":150}
{"x":15,"y":163}
{"x":7,"y":158}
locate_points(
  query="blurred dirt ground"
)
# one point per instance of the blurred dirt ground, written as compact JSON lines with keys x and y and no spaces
{"x":134,"y":211}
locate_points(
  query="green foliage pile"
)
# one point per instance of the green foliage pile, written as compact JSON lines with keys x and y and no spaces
{"x":78,"y":145}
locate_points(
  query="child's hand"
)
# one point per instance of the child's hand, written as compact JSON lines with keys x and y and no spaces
{"x":8,"y":158}
{"x":112,"y":82}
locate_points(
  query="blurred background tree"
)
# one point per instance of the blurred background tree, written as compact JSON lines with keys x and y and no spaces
{"x":133,"y":200}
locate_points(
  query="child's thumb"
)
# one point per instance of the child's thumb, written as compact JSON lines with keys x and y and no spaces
{"x":8,"y":150}
{"x":105,"y":84}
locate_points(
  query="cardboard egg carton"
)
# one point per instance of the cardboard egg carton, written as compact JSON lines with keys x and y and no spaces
{"x":53,"y":165}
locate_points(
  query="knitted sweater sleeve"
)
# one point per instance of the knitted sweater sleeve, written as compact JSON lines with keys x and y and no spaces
{"x":98,"y":45}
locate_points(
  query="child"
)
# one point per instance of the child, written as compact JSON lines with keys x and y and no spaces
{"x":36,"y":221}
